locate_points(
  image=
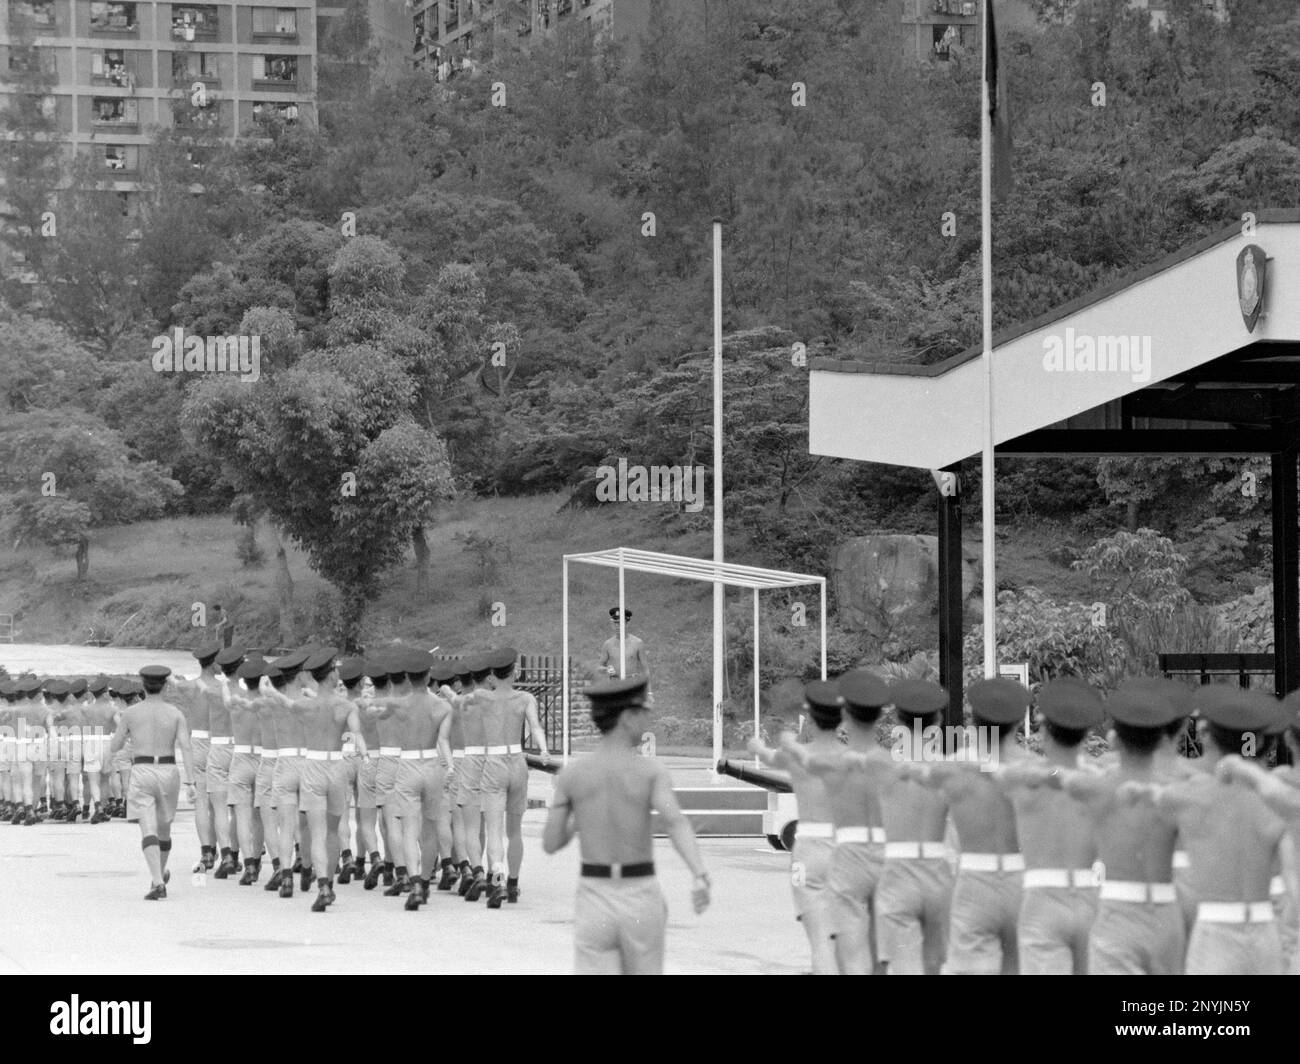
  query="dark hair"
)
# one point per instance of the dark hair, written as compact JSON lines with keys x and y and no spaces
{"x":379,"y":681}
{"x":1065,"y":736}
{"x":503,"y":671}
{"x":251,"y":682}
{"x":863,"y":714}
{"x":279,"y":681}
{"x":153,"y":684}
{"x":1139,"y":740}
{"x":479,"y":675}
{"x":1232,"y":741}
{"x":999,"y":730}
{"x":319,"y":674}
{"x":1174,"y":727}
{"x":232,"y":668}
{"x":825,"y":719}
{"x":420,"y":678}
{"x":351,"y":684}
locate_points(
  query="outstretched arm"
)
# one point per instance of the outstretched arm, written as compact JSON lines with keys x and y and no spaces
{"x":1280,"y":797}
{"x":766,"y":754}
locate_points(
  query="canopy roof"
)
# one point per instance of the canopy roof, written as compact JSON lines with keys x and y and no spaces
{"x":646,"y":561}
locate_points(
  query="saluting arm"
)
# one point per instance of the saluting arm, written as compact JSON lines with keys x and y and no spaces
{"x":1280,"y":797}
{"x":767,"y":755}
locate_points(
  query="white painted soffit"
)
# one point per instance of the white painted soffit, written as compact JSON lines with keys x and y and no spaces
{"x":1184,"y":307}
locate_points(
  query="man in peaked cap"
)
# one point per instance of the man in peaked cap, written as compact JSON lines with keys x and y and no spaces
{"x":1056,"y":837}
{"x":56,"y":699}
{"x":220,"y":754}
{"x":1231,"y":838}
{"x":101,"y":718}
{"x":637,"y":661}
{"x":451,"y":824}
{"x":1139,"y":927}
{"x":246,"y":759}
{"x":810,"y":859}
{"x":857,"y":858}
{"x":8,"y":756}
{"x":157,"y":728}
{"x":504,"y":785}
{"x":351,"y":674}
{"x":191,"y":698}
{"x":607,"y":798}
{"x":982,"y":933}
{"x":1280,"y":791}
{"x":470,"y":707}
{"x":286,"y":780}
{"x":378,"y":711}
{"x":325,"y":716}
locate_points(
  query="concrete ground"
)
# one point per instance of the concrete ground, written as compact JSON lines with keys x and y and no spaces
{"x":73,"y":902}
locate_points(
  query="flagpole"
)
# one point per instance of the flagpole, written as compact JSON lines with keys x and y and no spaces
{"x":718,"y":589}
{"x":986,"y":278}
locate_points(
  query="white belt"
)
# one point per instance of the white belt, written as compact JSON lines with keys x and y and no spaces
{"x":991,"y":862}
{"x":914,"y":851}
{"x":1276,"y":887}
{"x":289,"y":751}
{"x":258,"y":751}
{"x":1235,"y":912}
{"x":221,"y":740}
{"x":496,"y":751}
{"x":811,"y":830}
{"x":418,"y":755}
{"x":1181,"y":859}
{"x":350,"y":747}
{"x":458,"y":753}
{"x":859,"y":834}
{"x":242,"y":748}
{"x":324,"y":755}
{"x":1125,"y":890}
{"x":270,"y":754}
{"x":469,"y":750}
{"x":390,"y":751}
{"x":197,"y":734}
{"x":1059,"y":877}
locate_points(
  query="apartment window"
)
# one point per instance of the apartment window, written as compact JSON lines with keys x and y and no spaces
{"x":453,"y":14}
{"x":269,"y":111}
{"x":113,"y":110}
{"x":564,"y":7}
{"x":41,"y":12}
{"x":954,"y":7}
{"x":281,"y":68}
{"x":280,"y":21}
{"x":114,"y":18}
{"x":110,"y":66}
{"x":419,"y":31}
{"x":31,"y":60}
{"x":121,"y":157}
{"x":189,"y":66}
{"x":192,"y":22}
{"x":46,"y":105}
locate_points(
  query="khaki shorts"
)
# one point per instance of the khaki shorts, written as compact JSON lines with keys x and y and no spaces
{"x":810,"y":866}
{"x":503,"y":784}
{"x":367,"y":789}
{"x":199,"y":748}
{"x":913,"y":903}
{"x":243,"y":779}
{"x":153,"y":787}
{"x":122,"y":760}
{"x":385,"y":779}
{"x":218,"y":774}
{"x":1235,"y":949}
{"x":323,"y":787}
{"x":1136,"y":938}
{"x":264,"y":787}
{"x":352,"y":771}
{"x":618,"y":927}
{"x":93,"y":752}
{"x":1054,"y":927}
{"x":982,"y":929}
{"x":471,"y":778}
{"x":419,"y":788}
{"x":854,"y":873}
{"x":286,"y":781}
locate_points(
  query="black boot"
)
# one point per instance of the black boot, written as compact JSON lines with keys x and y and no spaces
{"x":497,"y":894}
{"x":477,"y":885}
{"x":307,"y":877}
{"x":448,"y":876}
{"x":159,"y":892}
{"x":274,"y":882}
{"x":512,"y":891}
{"x":248,"y":879}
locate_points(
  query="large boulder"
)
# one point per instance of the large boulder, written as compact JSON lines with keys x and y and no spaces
{"x":883,"y":582}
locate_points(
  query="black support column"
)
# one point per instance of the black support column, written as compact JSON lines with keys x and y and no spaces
{"x":1286,"y":573}
{"x":950,"y":596}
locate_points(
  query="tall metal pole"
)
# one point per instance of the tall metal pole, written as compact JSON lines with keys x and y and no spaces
{"x":986,"y":487}
{"x":622,"y":621}
{"x":564,"y":661}
{"x":756,"y":691}
{"x":718,"y":588}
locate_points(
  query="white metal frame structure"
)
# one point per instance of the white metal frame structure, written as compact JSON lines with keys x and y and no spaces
{"x":720,"y":574}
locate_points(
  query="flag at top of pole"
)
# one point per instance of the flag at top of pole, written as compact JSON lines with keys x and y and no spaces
{"x":999,"y":118}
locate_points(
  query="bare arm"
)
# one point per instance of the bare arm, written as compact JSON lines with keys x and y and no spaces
{"x":1281,"y":798}
{"x":354,"y":726}
{"x":119,"y":736}
{"x":774,"y":758}
{"x":535,"y":733}
{"x":679,"y":830}
{"x":443,"y":741}
{"x":183,"y":741}
{"x":559,"y":829}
